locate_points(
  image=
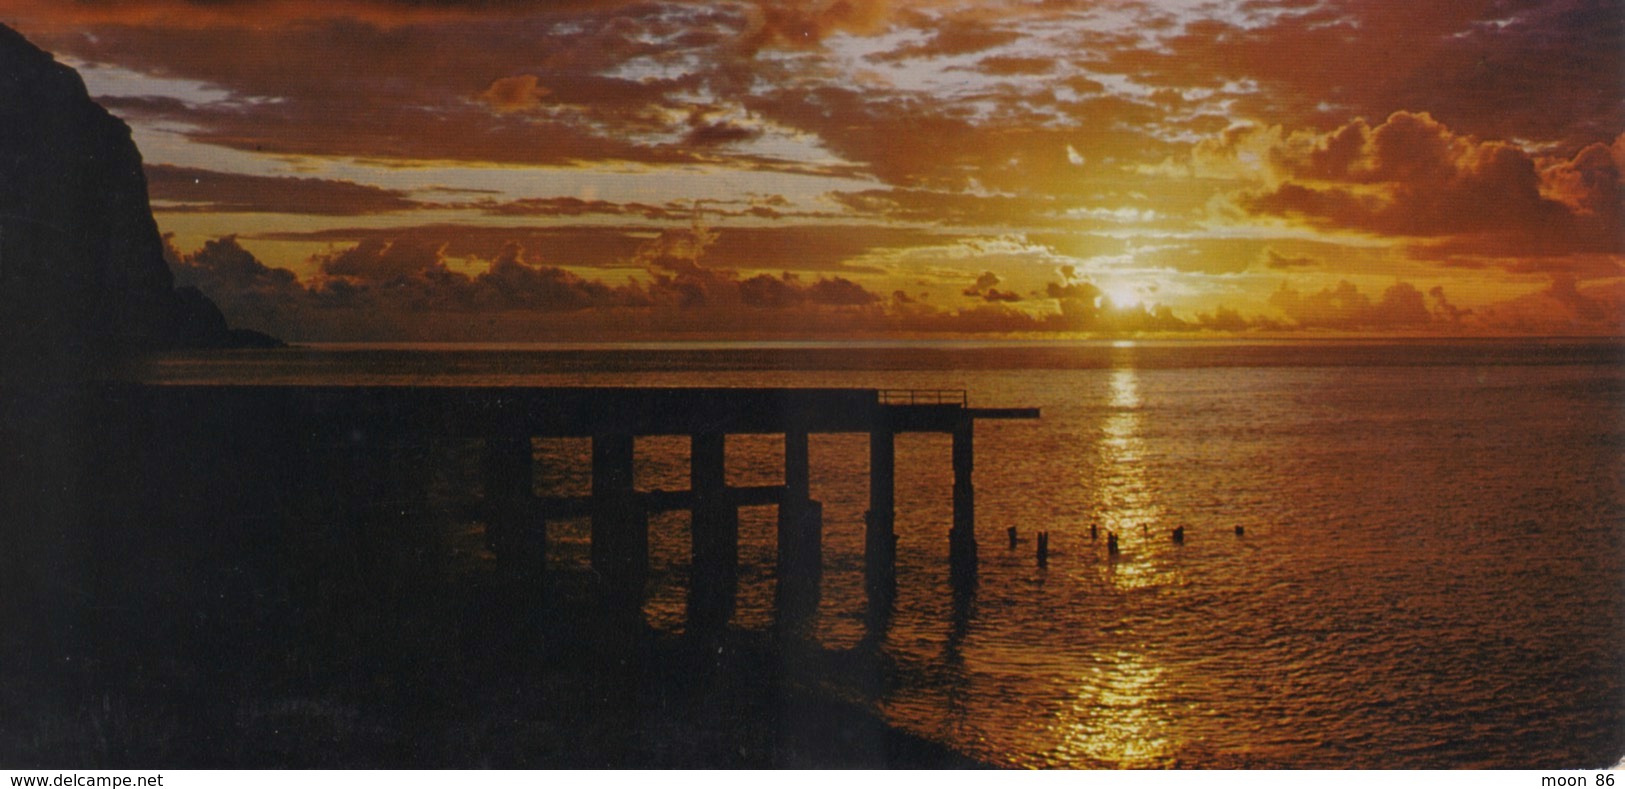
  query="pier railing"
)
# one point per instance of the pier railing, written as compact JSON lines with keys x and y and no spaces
{"x":957,"y":397}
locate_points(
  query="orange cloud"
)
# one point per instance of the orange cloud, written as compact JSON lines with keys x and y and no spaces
{"x":198,"y":190}
{"x":1589,"y":183}
{"x":1515,"y":163}
{"x":208,"y":13}
{"x":1563,"y":308}
{"x":1276,"y":260}
{"x":794,"y":24}
{"x":951,"y":37}
{"x":512,"y":94}
{"x":1345,"y":307}
{"x":1539,"y":71}
{"x":378,"y":289}
{"x":1412,"y":177}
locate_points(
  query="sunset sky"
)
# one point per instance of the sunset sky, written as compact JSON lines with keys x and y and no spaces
{"x":565,"y":169}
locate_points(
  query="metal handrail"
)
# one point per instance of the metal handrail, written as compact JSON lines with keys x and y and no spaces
{"x":957,"y":397}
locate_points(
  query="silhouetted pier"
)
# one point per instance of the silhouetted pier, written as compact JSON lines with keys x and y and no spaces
{"x":507,"y":420}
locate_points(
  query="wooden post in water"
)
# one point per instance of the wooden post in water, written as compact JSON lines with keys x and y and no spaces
{"x":620,"y":527}
{"x":880,"y":539}
{"x":962,"y":535}
{"x":714,"y":529}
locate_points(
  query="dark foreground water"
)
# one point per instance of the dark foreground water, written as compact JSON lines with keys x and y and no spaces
{"x":1430,"y":575}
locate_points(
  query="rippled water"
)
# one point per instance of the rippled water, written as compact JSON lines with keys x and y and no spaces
{"x":1430,"y":574}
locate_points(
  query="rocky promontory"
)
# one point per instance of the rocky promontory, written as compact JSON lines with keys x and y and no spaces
{"x":82,"y":274}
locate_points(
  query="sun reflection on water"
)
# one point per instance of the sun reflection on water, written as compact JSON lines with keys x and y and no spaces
{"x":1116,"y":718}
{"x":1117,"y":715}
{"x":1124,"y":494}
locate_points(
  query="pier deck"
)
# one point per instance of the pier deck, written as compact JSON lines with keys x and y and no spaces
{"x":508,"y":419}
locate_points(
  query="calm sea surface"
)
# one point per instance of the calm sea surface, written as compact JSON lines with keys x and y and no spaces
{"x":1431,"y":572}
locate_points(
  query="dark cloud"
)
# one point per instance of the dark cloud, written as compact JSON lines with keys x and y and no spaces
{"x":705,"y":135}
{"x":1411,"y":176}
{"x":1017,"y":149}
{"x":377,"y":290}
{"x":574,"y":246}
{"x":1564,"y":307}
{"x":839,"y":292}
{"x":1546,"y":71}
{"x":514,"y":282}
{"x":1584,"y":309}
{"x":565,"y":82}
{"x":776,"y":248}
{"x":1501,"y":70}
{"x":1493,"y":140}
{"x":456,"y":90}
{"x":256,"y":296}
{"x":986,"y":288}
{"x":788,"y":290}
{"x":765,"y":290}
{"x":1225,"y":319}
{"x":672,"y":260}
{"x":378,"y":286}
{"x":770,"y":207}
{"x":1345,"y":307}
{"x":1443,"y":309}
{"x":380,"y":260}
{"x":575,"y":206}
{"x":198,"y":190}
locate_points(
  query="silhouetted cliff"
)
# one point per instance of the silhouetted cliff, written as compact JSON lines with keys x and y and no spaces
{"x":82,"y":272}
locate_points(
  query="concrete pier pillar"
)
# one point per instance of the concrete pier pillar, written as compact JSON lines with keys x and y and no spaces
{"x":801,"y":520}
{"x":797,"y":466}
{"x":880,"y":538}
{"x":514,"y":528}
{"x":801,"y":535}
{"x":508,"y":474}
{"x":962,"y":535}
{"x":620,"y":526}
{"x":714,"y":528}
{"x":800,"y":558}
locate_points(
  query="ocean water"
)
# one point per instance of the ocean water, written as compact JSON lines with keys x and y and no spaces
{"x":1430,"y":573}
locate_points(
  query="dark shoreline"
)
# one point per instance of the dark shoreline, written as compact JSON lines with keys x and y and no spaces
{"x":214,"y":588}
{"x":455,"y":673}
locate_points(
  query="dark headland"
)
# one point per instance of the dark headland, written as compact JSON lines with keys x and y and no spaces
{"x":206,"y":589}
{"x":82,"y":271}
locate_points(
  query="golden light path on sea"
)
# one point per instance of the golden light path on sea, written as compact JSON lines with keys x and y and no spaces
{"x":1116,"y":716}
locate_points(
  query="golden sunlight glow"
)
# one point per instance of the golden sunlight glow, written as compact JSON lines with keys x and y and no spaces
{"x":1124,"y":500}
{"x":1125,"y":386}
{"x":1122,"y":295}
{"x":1116,"y":718}
{"x":1122,"y":197}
